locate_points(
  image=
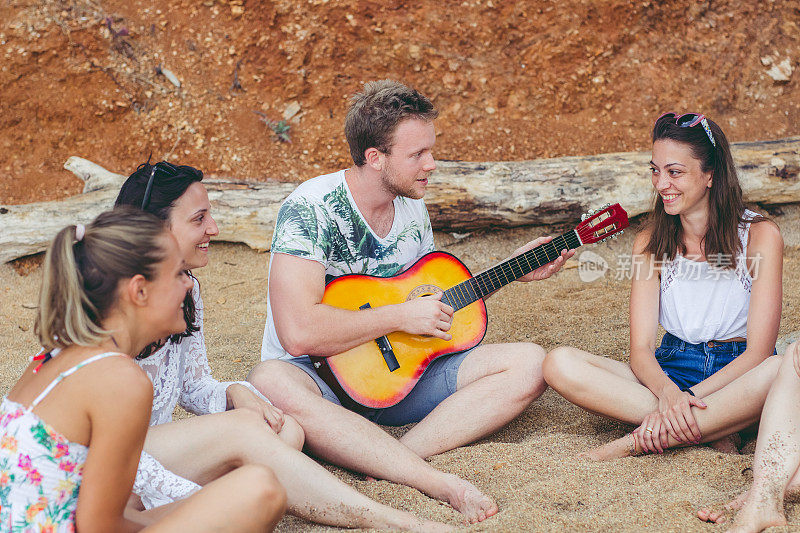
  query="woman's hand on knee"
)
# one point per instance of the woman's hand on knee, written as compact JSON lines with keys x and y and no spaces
{"x":651,"y":436}
{"x":675,"y":407}
{"x":244,"y":398}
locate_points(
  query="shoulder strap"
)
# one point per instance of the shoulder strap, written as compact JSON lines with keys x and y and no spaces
{"x":66,"y":373}
{"x":744,"y":229}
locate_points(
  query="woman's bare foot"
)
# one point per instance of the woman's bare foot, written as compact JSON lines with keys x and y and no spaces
{"x":757,"y":515}
{"x":616,"y":449}
{"x":707,"y":514}
{"x":469,"y":501}
{"x":719,"y":517}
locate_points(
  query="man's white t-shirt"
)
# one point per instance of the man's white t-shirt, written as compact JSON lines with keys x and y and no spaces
{"x":321,"y":222}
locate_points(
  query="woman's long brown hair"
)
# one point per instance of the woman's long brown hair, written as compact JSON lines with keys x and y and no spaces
{"x":721,"y":242}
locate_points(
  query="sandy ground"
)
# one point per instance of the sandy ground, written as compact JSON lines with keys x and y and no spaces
{"x":529,"y":467}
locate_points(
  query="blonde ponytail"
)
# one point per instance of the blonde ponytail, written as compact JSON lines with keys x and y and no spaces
{"x":81,"y":276}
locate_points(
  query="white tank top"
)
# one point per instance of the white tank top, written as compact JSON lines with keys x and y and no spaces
{"x":700,"y":303}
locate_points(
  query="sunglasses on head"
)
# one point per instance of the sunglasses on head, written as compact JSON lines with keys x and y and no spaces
{"x":167,"y":168}
{"x":690,"y":120}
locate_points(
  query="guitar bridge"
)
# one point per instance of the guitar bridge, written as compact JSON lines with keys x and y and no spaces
{"x":385,"y":348}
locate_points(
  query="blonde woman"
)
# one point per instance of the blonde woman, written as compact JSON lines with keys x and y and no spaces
{"x":74,"y":424}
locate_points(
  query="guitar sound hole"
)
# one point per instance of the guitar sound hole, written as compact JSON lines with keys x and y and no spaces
{"x":423,"y":290}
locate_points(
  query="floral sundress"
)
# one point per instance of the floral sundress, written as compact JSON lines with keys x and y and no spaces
{"x":40,"y":469}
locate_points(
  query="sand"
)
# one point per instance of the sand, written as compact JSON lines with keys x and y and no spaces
{"x":530,"y":467}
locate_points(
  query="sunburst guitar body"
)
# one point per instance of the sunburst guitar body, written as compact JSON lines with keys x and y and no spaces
{"x":363,"y":372}
{"x":381,"y":373}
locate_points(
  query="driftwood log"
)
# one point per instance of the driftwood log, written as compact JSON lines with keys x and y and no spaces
{"x":462,"y":196}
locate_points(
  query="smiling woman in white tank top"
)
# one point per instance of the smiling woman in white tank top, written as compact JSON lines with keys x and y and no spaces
{"x":709,"y":271}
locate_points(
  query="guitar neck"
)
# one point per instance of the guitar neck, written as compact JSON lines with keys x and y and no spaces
{"x":488,"y":281}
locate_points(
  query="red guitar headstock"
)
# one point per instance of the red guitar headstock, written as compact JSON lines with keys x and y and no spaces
{"x":598,"y":226}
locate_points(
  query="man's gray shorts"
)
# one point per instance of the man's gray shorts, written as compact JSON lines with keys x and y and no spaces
{"x":439,"y":381}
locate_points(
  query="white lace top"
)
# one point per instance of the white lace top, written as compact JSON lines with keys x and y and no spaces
{"x":700,"y":303}
{"x":181,"y":375}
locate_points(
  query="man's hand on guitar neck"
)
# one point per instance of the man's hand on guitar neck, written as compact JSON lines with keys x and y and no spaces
{"x":426,"y":315}
{"x":544,"y":271}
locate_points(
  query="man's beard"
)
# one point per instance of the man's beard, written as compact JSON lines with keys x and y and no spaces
{"x":390,"y":183}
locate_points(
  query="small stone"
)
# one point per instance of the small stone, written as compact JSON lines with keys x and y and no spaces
{"x":490,"y":110}
{"x":292,"y":108}
{"x":237,"y":11}
{"x":173,"y":79}
{"x":23,"y":327}
{"x":414,"y":51}
{"x":781,"y":72}
{"x":221,"y":300}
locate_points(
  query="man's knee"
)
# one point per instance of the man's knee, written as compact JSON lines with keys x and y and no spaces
{"x":267,"y":374}
{"x":286,"y":386}
{"x":277,"y":380}
{"x":525,"y":363}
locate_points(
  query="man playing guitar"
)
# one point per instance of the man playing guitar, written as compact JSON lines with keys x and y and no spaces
{"x":371,"y":219}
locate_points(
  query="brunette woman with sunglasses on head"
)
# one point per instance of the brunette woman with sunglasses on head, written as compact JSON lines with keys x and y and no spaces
{"x":73,"y":426}
{"x":709,"y":271}
{"x":182,"y":455}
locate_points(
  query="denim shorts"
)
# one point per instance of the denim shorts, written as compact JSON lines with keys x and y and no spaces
{"x":688,"y":364}
{"x":437,"y":383}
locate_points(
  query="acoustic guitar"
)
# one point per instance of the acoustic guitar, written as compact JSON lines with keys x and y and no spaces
{"x":382,"y":372}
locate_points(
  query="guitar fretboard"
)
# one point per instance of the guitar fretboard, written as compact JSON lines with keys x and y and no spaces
{"x":488,"y":281}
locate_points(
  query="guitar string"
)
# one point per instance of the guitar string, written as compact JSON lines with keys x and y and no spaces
{"x":488,"y":281}
{"x":514,"y":267}
{"x":465,"y":293}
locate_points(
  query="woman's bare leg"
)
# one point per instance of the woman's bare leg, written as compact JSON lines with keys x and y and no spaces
{"x":598,"y":384}
{"x":777,"y":456}
{"x":205,"y":447}
{"x":730,"y":409}
{"x":249,"y":499}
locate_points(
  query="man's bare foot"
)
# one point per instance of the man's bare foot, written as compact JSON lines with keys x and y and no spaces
{"x":729,"y":444}
{"x":468,"y":500}
{"x":616,"y":449}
